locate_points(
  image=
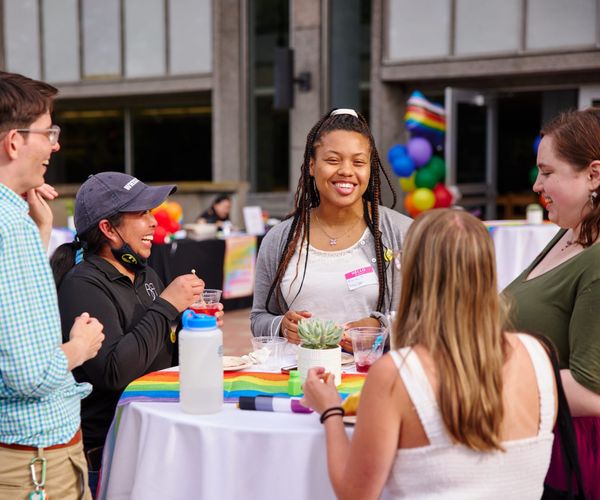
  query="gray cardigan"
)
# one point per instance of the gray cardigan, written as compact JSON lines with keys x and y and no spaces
{"x":393,"y":226}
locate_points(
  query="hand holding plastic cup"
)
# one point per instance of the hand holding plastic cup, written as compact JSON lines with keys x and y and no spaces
{"x":208,"y":303}
{"x":367,"y":344}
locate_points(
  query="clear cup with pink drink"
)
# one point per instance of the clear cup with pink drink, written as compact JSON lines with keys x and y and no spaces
{"x":208,"y":303}
{"x":367,"y":344}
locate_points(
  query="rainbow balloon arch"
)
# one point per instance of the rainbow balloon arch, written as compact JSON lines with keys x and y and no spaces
{"x":421,"y":170}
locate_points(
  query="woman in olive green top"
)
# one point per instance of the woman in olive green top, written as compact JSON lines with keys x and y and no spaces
{"x":558,"y":295}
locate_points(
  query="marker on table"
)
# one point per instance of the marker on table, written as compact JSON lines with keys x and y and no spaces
{"x":272,"y":403}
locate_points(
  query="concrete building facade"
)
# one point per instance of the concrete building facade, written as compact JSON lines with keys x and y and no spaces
{"x":182,"y":90}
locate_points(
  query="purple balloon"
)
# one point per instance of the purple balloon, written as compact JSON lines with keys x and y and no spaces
{"x":420,"y":150}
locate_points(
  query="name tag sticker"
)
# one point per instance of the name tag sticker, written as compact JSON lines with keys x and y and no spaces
{"x":360,"y":277}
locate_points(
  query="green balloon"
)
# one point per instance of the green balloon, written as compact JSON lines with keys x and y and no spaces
{"x":425,"y":178}
{"x":533,"y":175}
{"x":438,"y":166}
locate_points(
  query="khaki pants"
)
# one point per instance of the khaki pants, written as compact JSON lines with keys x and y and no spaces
{"x":66,"y":474}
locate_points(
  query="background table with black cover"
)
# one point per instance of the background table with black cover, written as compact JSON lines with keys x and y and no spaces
{"x":206,"y":257}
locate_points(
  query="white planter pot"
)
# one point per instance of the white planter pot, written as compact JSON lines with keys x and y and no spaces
{"x":330,"y":359}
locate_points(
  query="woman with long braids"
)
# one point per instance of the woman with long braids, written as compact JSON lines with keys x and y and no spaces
{"x":332,"y":258}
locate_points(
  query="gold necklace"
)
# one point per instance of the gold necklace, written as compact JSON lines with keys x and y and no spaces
{"x":334,"y":239}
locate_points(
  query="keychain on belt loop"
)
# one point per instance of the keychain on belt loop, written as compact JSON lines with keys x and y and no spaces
{"x":38,"y":493}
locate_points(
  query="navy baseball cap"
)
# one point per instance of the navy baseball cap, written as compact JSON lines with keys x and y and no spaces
{"x":108,"y":193}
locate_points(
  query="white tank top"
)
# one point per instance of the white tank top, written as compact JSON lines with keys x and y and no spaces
{"x":445,"y":470}
{"x":332,"y":288}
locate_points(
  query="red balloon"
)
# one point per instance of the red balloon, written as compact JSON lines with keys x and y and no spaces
{"x":162,"y":218}
{"x":173,"y":226}
{"x":443,"y":197}
{"x":160,"y":234}
{"x":543,"y":201}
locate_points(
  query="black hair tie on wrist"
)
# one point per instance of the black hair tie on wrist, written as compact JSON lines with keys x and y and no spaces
{"x":330,"y":412}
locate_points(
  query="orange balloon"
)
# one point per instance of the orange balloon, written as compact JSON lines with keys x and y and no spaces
{"x":415,"y":213}
{"x":409,"y":206}
{"x":162,"y":206}
{"x":543,"y":201}
{"x":174,"y":210}
{"x":408,"y":202}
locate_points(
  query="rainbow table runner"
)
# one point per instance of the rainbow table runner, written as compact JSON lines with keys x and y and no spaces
{"x":164,"y":386}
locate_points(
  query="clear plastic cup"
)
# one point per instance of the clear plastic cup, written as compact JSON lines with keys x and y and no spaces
{"x":273,"y":350}
{"x":209,"y":303}
{"x":367,"y":344}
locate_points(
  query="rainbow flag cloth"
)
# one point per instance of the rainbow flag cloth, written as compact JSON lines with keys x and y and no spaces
{"x":164,"y":386}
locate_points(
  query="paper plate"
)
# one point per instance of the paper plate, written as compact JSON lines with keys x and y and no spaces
{"x":349,"y":419}
{"x":347,"y":358}
{"x":234,"y":363}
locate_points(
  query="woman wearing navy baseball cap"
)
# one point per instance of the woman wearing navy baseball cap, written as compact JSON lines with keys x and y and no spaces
{"x":105,"y":272}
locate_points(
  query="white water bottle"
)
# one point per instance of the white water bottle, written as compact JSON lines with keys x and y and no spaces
{"x":200,"y":364}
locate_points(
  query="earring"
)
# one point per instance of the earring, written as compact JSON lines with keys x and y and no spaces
{"x":593,"y":196}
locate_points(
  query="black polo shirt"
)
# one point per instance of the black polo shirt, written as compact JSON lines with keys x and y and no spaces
{"x":137,"y":325}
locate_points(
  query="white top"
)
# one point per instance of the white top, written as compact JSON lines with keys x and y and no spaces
{"x":445,"y":470}
{"x":348,"y":275}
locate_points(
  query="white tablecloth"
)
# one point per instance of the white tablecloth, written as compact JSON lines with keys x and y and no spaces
{"x":162,"y":453}
{"x":517,"y":244}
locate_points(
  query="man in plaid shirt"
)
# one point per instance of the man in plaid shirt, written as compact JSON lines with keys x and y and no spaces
{"x":39,"y":399}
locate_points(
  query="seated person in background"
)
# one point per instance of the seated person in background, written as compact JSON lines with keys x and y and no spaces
{"x":217,"y":213}
{"x":113,"y":283}
{"x":463,"y":408}
{"x":333,"y":257}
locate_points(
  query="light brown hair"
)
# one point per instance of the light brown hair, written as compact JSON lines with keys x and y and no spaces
{"x":576,"y":140}
{"x":449,"y":304}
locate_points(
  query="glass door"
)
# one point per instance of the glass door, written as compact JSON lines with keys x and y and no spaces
{"x":470,"y":149}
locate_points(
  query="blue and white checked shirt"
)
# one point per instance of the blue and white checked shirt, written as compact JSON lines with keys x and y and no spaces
{"x":39,"y":398}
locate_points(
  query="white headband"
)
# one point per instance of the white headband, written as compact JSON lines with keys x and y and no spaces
{"x":344,"y":111}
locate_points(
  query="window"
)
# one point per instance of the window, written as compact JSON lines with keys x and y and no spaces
{"x":349,"y":54}
{"x":269,"y":129}
{"x":502,"y":35}
{"x":418,"y":30}
{"x":145,"y":53}
{"x":101,"y":37}
{"x":158,"y":143}
{"x":91,"y":141}
{"x":172,"y":144}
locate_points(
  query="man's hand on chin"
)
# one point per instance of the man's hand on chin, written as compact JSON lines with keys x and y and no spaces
{"x":40,"y":211}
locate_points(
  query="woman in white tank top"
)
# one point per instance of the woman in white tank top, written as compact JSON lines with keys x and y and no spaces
{"x":459,"y":408}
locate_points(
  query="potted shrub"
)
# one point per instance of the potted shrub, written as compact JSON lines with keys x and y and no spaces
{"x":319,"y":346}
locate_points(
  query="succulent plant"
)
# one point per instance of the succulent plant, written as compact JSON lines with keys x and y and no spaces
{"x":317,"y":333}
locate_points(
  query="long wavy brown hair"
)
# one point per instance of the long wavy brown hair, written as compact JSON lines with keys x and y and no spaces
{"x":449,"y":304}
{"x":576,"y":139}
{"x":307,"y":197}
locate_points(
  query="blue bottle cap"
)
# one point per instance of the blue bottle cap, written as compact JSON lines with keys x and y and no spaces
{"x":193,"y":320}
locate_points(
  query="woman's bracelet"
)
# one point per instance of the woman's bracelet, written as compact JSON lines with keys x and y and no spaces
{"x":330,"y":412}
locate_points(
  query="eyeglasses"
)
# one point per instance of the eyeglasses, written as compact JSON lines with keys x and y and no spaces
{"x":53,"y":133}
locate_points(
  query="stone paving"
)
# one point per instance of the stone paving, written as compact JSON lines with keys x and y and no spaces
{"x":236,"y":332}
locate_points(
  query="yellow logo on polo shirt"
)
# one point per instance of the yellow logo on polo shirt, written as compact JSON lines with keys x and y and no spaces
{"x":128,"y":258}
